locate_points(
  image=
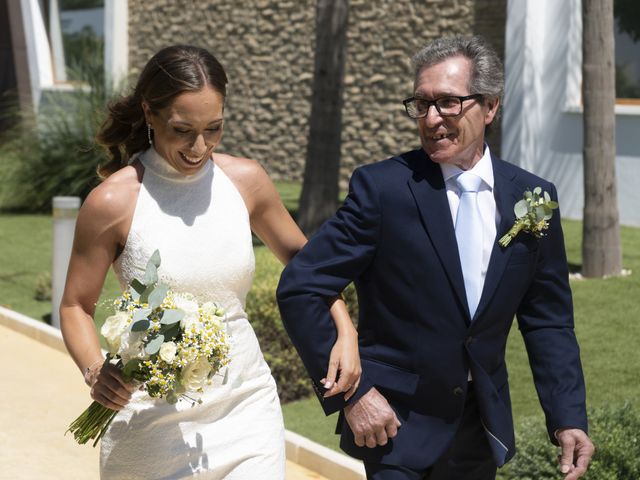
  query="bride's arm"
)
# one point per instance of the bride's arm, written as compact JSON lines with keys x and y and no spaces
{"x":271,"y":222}
{"x":94,"y":248}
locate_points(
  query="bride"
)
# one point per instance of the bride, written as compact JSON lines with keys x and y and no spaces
{"x":166,"y":189}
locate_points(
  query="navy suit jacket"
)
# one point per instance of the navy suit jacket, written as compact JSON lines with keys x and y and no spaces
{"x":394,"y":238}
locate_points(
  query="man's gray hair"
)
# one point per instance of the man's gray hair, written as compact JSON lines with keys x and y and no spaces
{"x":487,"y":77}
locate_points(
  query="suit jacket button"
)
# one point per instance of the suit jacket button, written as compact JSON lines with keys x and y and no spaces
{"x":458,"y":391}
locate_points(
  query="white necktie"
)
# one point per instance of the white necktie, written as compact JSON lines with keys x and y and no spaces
{"x":469,"y":237}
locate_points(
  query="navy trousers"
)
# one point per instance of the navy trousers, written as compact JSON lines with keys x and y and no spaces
{"x":467,"y":458}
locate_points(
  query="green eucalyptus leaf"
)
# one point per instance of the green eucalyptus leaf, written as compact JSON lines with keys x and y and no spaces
{"x":140,"y":325}
{"x":155,"y":258}
{"x":157,"y":296}
{"x":548,"y":213}
{"x":553,"y":205}
{"x":170,"y":317}
{"x":135,"y":296}
{"x":131,"y":368}
{"x":138,"y":286}
{"x":537,"y":191}
{"x":154,"y":344}
{"x":144,"y":296}
{"x":151,"y":274}
{"x":141,"y":313}
{"x":527,"y":194}
{"x":540,"y":213}
{"x":547,"y":197}
{"x":170,"y":332}
{"x":521,"y":208}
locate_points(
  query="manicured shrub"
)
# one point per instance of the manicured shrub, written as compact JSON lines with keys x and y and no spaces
{"x":615,"y":431}
{"x":279,"y":353}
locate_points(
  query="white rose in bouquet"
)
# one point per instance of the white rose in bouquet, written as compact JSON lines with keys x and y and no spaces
{"x":191,"y":315}
{"x":113,"y":328}
{"x":132,"y":346}
{"x":168,"y":352}
{"x":214,"y":311}
{"x":195,"y":375}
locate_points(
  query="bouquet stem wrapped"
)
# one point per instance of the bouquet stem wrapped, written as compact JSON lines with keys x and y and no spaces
{"x":165,"y":341}
{"x":92,"y":423}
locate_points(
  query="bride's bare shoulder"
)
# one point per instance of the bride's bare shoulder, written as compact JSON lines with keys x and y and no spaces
{"x":248,"y":176}
{"x":239,"y":169}
{"x":115,"y":197}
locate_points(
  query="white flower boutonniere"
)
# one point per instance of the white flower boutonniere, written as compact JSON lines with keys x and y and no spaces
{"x":533,"y":213}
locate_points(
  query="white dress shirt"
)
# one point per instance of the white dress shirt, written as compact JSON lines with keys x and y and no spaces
{"x":486,"y":202}
{"x":486,"y":205}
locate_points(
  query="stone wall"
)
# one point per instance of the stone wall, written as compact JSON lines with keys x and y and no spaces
{"x":267,"y":48}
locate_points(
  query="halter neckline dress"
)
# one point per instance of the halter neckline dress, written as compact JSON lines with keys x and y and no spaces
{"x":200,"y":225}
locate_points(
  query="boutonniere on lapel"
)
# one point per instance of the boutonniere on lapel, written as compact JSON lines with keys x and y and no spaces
{"x":533,"y":213}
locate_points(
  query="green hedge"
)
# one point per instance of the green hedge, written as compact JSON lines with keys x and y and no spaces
{"x":615,"y":431}
{"x":278,"y":351}
{"x":280,"y":354}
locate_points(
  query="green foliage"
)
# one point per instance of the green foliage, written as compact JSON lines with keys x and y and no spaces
{"x":614,"y":430}
{"x":627,"y":13}
{"x":279,"y":353}
{"x":626,"y":86}
{"x":83,"y":50}
{"x":533,"y":213}
{"x":43,"y":287}
{"x":53,"y":153}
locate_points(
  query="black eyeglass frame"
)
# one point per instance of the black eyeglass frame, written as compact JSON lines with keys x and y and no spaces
{"x":407,"y":101}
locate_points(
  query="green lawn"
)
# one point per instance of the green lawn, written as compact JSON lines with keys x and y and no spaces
{"x":607,"y":318}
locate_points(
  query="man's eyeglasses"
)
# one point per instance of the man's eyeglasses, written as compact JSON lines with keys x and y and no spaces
{"x":446,"y":106}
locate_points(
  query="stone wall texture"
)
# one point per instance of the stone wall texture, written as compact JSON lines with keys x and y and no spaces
{"x":267,"y":48}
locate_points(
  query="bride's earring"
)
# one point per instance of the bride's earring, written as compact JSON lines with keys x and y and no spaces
{"x":149,"y":133}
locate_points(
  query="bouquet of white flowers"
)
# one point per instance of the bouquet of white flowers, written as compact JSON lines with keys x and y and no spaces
{"x":164,"y":340}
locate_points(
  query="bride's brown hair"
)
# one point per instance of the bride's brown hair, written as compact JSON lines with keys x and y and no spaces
{"x":170,"y":72}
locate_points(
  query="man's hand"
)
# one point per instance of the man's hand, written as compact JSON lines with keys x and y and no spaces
{"x":372,"y":420}
{"x":577,"y":450}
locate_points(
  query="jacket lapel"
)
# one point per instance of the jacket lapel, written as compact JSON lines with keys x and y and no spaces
{"x":506,"y":195}
{"x":430,"y":194}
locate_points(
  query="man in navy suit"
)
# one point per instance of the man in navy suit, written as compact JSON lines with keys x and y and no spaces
{"x":418,"y":235}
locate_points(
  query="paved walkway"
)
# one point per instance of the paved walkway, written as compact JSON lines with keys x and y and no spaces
{"x":41,"y":391}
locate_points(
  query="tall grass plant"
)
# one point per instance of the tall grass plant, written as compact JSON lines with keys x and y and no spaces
{"x":53,"y":152}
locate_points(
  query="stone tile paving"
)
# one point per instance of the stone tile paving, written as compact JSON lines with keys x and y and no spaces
{"x":41,"y":391}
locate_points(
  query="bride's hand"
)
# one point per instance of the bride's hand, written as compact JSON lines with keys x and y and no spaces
{"x":109,"y":388}
{"x":345,"y":359}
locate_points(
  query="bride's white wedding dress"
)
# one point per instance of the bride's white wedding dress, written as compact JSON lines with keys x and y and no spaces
{"x":200,"y":225}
